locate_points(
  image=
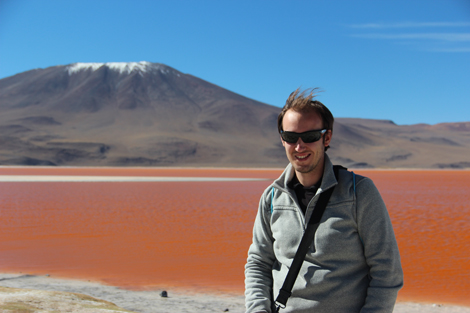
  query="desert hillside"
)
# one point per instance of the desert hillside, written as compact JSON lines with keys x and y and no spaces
{"x":149,"y":114}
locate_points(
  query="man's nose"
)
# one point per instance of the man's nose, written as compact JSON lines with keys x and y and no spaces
{"x":299,"y":145}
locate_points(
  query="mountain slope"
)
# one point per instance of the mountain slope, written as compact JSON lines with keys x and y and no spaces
{"x":149,"y":114}
{"x":130,"y":114}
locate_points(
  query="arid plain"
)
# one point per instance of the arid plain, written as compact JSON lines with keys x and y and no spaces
{"x":149,"y":114}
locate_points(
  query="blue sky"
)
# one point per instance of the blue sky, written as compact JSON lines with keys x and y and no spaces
{"x":403,"y":60}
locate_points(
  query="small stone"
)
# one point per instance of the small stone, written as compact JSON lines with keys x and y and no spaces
{"x":164,"y":294}
{"x":226,"y":310}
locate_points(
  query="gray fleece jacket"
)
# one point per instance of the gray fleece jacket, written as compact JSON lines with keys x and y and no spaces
{"x":353,"y":265}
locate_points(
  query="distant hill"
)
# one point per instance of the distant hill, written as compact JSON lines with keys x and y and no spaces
{"x":149,"y":114}
{"x":381,"y":143}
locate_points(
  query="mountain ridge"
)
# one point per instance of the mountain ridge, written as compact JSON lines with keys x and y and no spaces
{"x":149,"y":114}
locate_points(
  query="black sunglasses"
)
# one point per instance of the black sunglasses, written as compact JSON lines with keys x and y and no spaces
{"x":307,"y":137}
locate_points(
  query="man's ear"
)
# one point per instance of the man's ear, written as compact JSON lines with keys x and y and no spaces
{"x":282,"y":141}
{"x":327,"y":137}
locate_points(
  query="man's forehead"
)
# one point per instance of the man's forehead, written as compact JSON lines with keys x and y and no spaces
{"x":297,"y":117}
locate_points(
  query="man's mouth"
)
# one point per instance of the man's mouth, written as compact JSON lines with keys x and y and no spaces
{"x":302,"y":157}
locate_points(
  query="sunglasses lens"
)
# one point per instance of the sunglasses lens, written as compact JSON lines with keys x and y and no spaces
{"x":310,"y":137}
{"x":307,"y":137}
{"x":290,"y":137}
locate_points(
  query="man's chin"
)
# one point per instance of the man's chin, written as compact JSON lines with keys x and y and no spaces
{"x":304,"y":169}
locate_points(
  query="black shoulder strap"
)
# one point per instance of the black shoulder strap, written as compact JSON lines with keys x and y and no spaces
{"x":302,"y":250}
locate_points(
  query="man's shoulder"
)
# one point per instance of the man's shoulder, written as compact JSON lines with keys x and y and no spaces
{"x":350,"y":182}
{"x":344,"y":172}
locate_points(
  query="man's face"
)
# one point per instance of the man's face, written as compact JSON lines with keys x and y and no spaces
{"x":305,"y":157}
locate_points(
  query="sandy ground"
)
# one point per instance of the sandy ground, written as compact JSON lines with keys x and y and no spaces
{"x":151,"y":301}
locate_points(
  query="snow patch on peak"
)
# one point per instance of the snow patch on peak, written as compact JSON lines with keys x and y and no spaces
{"x":77,"y":67}
{"x":121,"y":67}
{"x":127,"y":68}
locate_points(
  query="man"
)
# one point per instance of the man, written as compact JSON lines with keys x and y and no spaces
{"x":353,"y":263}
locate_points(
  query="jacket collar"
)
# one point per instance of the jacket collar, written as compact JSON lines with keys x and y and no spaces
{"x":328,"y":180}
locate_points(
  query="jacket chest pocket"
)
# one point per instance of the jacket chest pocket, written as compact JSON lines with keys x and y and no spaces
{"x":287,"y":230}
{"x":337,"y":231}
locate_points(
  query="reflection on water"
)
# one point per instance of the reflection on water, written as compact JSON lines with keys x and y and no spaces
{"x":196,"y":234}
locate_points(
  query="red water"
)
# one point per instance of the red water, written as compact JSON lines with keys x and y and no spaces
{"x":196,"y":234}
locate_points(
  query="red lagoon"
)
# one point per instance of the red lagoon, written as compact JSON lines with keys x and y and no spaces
{"x":141,"y":235}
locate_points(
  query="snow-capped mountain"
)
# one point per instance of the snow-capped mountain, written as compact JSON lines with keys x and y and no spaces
{"x":149,"y":114}
{"x":134,"y":113}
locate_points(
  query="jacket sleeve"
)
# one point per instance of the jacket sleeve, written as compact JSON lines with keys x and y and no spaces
{"x":380,"y":249}
{"x":258,"y":269}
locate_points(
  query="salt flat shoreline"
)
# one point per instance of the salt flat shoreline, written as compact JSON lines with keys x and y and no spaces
{"x":69,"y":178}
{"x":280,"y":169}
{"x":178,"y":300}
